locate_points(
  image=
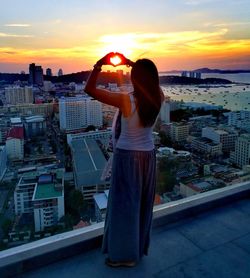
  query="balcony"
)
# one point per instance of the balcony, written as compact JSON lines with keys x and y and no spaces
{"x":206,"y":235}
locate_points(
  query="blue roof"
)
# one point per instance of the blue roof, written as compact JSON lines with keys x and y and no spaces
{"x":45,"y":178}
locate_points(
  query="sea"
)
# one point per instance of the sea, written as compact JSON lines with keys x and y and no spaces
{"x":235,"y":96}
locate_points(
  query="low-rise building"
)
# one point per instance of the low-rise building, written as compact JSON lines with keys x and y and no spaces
{"x":101,"y":201}
{"x":34,"y":126}
{"x":44,"y":109}
{"x":206,"y":146}
{"x":193,"y":188}
{"x":226,"y":137}
{"x":179,"y":131}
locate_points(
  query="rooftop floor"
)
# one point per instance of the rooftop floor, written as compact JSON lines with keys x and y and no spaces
{"x":212,"y":244}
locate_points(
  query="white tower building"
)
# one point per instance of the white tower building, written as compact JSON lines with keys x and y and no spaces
{"x":165,"y":112}
{"x":78,"y":112}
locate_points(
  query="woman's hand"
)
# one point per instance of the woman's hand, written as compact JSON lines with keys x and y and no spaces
{"x":125,"y":60}
{"x":105,"y":60}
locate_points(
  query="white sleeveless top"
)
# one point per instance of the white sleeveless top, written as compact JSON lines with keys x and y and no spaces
{"x":133,"y":135}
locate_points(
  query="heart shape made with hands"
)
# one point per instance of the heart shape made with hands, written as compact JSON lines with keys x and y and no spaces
{"x":115,"y":60}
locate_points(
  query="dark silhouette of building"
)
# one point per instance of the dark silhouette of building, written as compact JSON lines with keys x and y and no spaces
{"x":48,"y":72}
{"x":35,"y":75}
{"x":60,"y":72}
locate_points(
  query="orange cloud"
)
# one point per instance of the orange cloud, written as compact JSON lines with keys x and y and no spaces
{"x":174,"y":46}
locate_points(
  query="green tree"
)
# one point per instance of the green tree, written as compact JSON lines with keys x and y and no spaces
{"x":76,"y":201}
{"x":165,"y":140}
{"x":165,"y":182}
{"x":166,"y":175}
{"x":6,"y":225}
{"x":68,"y":221}
{"x":90,"y":128}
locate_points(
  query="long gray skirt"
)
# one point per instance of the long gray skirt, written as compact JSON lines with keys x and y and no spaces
{"x":130,"y":205}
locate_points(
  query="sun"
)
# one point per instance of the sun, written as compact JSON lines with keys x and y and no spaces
{"x":125,"y":44}
{"x":116,"y":60}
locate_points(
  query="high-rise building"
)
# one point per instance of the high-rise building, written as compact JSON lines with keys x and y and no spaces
{"x":15,"y":143}
{"x":48,"y":200}
{"x":18,"y":95}
{"x":241,"y":155}
{"x":226,"y":138}
{"x":41,"y":193}
{"x":23,"y":194}
{"x":165,"y":111}
{"x":77,"y":113}
{"x":239,"y":119}
{"x":48,"y":72}
{"x":3,"y":161}
{"x":35,"y":75}
{"x":191,"y":74}
{"x":60,"y":72}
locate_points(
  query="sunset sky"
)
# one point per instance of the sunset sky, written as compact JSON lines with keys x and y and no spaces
{"x":175,"y":34}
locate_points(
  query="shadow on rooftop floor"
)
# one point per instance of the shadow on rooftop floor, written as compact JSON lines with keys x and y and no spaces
{"x":211,"y":244}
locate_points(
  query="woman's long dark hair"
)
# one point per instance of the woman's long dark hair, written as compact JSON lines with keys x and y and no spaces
{"x":145,"y":80}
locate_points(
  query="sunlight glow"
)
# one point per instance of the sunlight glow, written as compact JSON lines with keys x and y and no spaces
{"x":116,"y":60}
{"x":125,"y":43}
{"x":167,"y":49}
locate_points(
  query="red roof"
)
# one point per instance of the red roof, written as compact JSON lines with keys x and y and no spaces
{"x":157,"y":200}
{"x":15,"y":132}
{"x":81,"y":224}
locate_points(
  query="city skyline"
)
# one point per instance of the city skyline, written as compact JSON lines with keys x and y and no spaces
{"x":183,"y":34}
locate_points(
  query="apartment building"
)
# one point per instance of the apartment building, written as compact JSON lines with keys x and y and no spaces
{"x":241,"y":155}
{"x":77,"y":113}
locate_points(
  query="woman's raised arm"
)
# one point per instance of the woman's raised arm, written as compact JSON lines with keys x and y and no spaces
{"x":117,"y":99}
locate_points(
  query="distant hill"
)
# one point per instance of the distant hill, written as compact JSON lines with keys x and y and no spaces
{"x":104,"y":78}
{"x":207,"y":70}
{"x":110,"y":77}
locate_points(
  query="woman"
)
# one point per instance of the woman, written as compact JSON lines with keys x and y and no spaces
{"x":131,"y":196}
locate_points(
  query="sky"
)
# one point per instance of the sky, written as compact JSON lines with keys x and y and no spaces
{"x":74,"y":34}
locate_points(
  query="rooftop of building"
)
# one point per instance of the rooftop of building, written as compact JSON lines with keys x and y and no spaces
{"x":34,"y":119}
{"x":200,"y":186}
{"x":89,"y":162}
{"x":15,"y":132}
{"x":245,"y":136}
{"x":180,"y":124}
{"x":190,"y":238}
{"x":101,"y":199}
{"x":35,"y":172}
{"x":47,"y":191}
{"x":206,"y":140}
{"x":16,"y":120}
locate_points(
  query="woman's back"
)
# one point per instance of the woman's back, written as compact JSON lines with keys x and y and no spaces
{"x":133,"y":135}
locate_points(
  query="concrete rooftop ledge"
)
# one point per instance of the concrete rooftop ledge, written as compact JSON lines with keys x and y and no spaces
{"x":41,"y":252}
